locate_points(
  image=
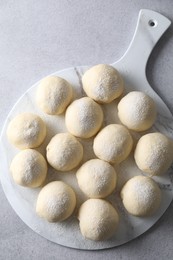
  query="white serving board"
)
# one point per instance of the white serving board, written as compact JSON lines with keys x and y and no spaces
{"x":132,"y":66}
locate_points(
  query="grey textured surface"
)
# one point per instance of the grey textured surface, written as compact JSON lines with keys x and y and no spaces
{"x":40,"y":37}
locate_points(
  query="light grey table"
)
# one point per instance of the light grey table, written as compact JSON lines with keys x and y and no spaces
{"x":40,"y":37}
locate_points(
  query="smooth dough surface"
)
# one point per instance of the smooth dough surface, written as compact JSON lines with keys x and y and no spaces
{"x":154,"y":153}
{"x":64,"y":152}
{"x":99,"y":176}
{"x":113,"y":143}
{"x":98,"y":219}
{"x":137,"y":111}
{"x":29,"y":168}
{"x":103,"y":83}
{"x":54,"y":95}
{"x":56,"y":201}
{"x":84,"y":117}
{"x":26,"y":130}
{"x":141,"y":196}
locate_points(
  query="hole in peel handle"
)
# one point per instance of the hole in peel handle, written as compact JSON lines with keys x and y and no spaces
{"x":150,"y":27}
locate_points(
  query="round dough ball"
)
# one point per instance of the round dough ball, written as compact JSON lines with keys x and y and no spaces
{"x":56,"y":201}
{"x":98,"y":219}
{"x":154,"y":153}
{"x":84,"y":117}
{"x":113,"y":143}
{"x":100,"y":177}
{"x":54,"y":95}
{"x":26,"y":130}
{"x":103,"y":83}
{"x":137,"y":111}
{"x":64,"y":152}
{"x":29,"y":168}
{"x":141,"y":196}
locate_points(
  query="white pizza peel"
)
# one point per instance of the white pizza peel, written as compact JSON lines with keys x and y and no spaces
{"x":150,"y":27}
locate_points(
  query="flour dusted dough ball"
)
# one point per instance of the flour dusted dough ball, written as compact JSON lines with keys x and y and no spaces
{"x":56,"y":201}
{"x":113,"y":143}
{"x":84,"y":117}
{"x":141,"y":196}
{"x":29,"y":168}
{"x":98,"y":219}
{"x":64,"y":152}
{"x":99,"y":176}
{"x":53,"y":95}
{"x":103,"y":83}
{"x":154,"y":153}
{"x":137,"y":111}
{"x":26,"y":130}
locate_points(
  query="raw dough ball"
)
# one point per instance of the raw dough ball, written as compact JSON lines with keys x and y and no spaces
{"x":56,"y":201}
{"x":26,"y":130}
{"x":84,"y":117}
{"x":137,"y":111}
{"x":53,"y":95}
{"x":99,"y":176}
{"x":154,"y":153}
{"x":113,"y":143}
{"x":102,"y":83}
{"x":141,"y":196}
{"x":29,"y":168}
{"x":98,"y":219}
{"x":64,"y":152}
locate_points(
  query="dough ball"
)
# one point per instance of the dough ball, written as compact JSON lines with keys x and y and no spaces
{"x":99,"y":176}
{"x":54,"y":95}
{"x":113,"y":143}
{"x":102,"y":83}
{"x":141,"y":196}
{"x":64,"y":152}
{"x":98,"y":219}
{"x":137,"y":111}
{"x":26,"y":130}
{"x":154,"y":153}
{"x":29,"y":168}
{"x":84,"y":117}
{"x":56,"y":201}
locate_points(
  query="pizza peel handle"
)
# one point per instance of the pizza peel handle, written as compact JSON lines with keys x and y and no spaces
{"x":150,"y":27}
